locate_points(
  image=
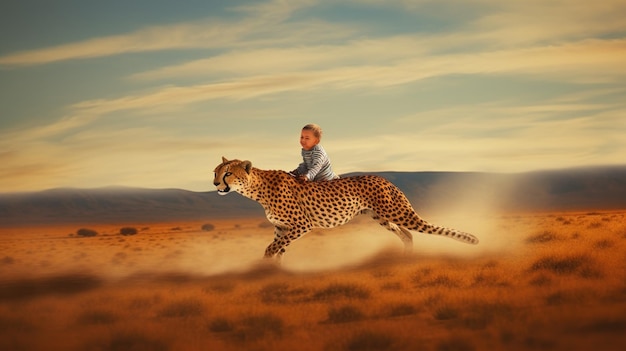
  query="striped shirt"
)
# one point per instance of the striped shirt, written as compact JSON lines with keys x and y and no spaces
{"x":316,"y":165}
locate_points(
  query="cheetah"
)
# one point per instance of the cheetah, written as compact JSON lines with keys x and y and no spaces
{"x":295,"y":208}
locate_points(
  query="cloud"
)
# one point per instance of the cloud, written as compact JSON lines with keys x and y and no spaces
{"x":34,"y":164}
{"x":515,"y":23}
{"x":588,"y":61}
{"x":275,"y":60}
{"x":147,"y":39}
{"x":263,"y":21}
{"x":499,"y":137}
{"x":529,"y":150}
{"x":266,"y":24}
{"x":591,"y":59}
{"x":550,"y":22}
{"x":71,"y":153}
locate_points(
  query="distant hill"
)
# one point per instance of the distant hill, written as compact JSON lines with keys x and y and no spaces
{"x":570,"y":189}
{"x":120,"y":204}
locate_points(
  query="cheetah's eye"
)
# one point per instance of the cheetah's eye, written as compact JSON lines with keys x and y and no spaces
{"x":227,"y":174}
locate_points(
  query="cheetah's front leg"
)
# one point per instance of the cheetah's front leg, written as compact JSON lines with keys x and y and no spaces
{"x":277,"y":247}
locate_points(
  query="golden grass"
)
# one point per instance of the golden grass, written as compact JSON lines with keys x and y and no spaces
{"x":560,"y":285}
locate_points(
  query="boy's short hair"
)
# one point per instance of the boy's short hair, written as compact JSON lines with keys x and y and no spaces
{"x":317,"y":130}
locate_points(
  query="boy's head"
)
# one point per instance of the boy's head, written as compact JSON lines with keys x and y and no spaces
{"x":310,"y":136}
{"x":317,"y":130}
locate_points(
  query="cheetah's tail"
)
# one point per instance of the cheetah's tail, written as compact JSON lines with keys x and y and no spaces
{"x":450,"y":233}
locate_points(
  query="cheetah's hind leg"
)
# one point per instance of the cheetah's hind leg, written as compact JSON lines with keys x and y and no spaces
{"x":401,"y":232}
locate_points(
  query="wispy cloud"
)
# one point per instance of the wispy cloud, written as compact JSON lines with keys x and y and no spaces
{"x":514,"y":23}
{"x":264,"y":22}
{"x":501,"y":24}
{"x":275,"y":60}
{"x":589,"y":61}
{"x":538,"y":21}
{"x":103,"y":156}
{"x":478,"y":143}
{"x":147,"y":39}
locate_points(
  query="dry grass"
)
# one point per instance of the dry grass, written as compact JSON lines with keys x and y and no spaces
{"x":562,"y":287}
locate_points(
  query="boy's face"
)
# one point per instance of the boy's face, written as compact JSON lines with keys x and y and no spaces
{"x":308,"y":139}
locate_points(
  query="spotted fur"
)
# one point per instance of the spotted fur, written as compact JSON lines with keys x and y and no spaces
{"x":295,"y":208}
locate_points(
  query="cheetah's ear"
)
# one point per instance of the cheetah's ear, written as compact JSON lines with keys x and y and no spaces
{"x":247,"y":165}
{"x":224,"y":160}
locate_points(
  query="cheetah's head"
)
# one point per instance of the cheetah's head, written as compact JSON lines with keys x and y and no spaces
{"x":231,"y":175}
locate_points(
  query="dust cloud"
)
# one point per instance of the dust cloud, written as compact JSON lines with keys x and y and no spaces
{"x":479,"y":205}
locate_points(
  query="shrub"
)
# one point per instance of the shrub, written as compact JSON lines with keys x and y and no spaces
{"x":367,"y":340}
{"x":344,"y":314}
{"x":15,"y":324}
{"x":127,"y":340}
{"x":86,"y":232}
{"x":221,"y":325}
{"x":97,"y":317}
{"x":257,"y":327}
{"x":281,"y":293}
{"x":351,"y":291}
{"x":603,"y":244}
{"x":455,"y":344}
{"x":183,"y":308}
{"x":207,"y":227}
{"x":421,"y":274}
{"x":540,"y":280}
{"x":443,"y":313}
{"x":485,"y":279}
{"x":606,"y":325}
{"x":128,"y":231}
{"x":400,"y":309}
{"x":440,"y":281}
{"x":478,"y":315}
{"x":594,"y":225}
{"x":391,"y":286}
{"x":143,"y":302}
{"x":220,"y":287}
{"x":560,"y":265}
{"x":544,"y":237}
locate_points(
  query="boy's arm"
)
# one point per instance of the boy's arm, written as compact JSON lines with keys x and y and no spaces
{"x":301,"y":170}
{"x":318,"y":163}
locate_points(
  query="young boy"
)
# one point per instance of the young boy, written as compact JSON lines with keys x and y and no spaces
{"x":316,"y":164}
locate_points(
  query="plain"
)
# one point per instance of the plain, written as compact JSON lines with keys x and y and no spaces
{"x":550,"y":281}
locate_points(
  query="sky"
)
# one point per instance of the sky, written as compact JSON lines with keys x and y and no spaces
{"x":153,"y":93}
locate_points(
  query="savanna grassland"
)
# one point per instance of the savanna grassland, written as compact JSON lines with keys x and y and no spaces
{"x":553,"y":281}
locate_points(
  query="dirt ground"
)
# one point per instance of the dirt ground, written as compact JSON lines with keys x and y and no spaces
{"x":536,"y":281}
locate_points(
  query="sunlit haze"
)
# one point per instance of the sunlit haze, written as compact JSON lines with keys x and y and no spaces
{"x":153,"y":93}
